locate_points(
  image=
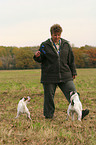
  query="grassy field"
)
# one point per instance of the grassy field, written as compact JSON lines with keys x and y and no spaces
{"x":40,"y":131}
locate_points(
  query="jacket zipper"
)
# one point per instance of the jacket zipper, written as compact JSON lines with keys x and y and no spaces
{"x":59,"y":68}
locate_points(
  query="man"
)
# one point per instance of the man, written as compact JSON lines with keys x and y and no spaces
{"x":57,"y":69}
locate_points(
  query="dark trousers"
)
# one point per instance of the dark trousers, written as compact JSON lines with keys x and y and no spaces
{"x":49,"y":92}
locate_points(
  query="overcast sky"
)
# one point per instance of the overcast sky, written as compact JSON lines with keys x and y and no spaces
{"x":28,"y":22}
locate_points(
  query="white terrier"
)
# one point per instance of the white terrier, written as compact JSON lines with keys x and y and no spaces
{"x":22,"y":107}
{"x":75,"y":106}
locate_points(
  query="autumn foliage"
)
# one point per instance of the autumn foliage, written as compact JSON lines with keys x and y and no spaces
{"x":85,"y":57}
{"x":16,"y":58}
{"x":22,"y":58}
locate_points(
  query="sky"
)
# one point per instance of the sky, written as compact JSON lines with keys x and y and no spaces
{"x":27,"y":22}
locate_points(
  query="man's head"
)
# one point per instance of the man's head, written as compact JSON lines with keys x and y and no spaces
{"x":56,"y":31}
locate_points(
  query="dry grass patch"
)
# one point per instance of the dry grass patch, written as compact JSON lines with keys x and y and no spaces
{"x":40,"y":131}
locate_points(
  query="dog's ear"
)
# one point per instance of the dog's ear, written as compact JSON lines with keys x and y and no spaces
{"x":72,"y":93}
{"x":78,"y":93}
{"x":25,"y":98}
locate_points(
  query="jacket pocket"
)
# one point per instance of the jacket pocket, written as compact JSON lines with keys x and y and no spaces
{"x":64,"y":68}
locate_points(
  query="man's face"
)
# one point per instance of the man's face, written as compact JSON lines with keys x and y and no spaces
{"x":56,"y":37}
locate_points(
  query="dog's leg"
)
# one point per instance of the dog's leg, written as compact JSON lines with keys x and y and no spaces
{"x":28,"y":113}
{"x":67,"y":117}
{"x":29,"y":117}
{"x":17,"y":115}
{"x":68,"y":113}
{"x":79,"y":118}
{"x":72,"y":114}
{"x":79,"y":115}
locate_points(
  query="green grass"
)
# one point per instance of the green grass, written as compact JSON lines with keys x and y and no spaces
{"x":17,"y":84}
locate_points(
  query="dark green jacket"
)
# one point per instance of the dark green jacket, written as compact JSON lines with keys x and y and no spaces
{"x":56,"y":68}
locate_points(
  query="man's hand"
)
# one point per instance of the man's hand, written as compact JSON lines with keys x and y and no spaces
{"x":37,"y":54}
{"x":74,"y":76}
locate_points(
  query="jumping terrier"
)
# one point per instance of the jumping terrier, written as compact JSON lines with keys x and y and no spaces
{"x":22,"y":107}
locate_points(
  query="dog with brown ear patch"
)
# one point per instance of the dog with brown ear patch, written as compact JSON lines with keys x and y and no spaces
{"x":22,"y":107}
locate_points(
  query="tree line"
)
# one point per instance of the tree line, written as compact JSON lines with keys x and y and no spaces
{"x":85,"y":57}
{"x":22,"y":58}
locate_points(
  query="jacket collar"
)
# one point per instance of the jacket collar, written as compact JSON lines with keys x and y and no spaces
{"x":62,"y":41}
{"x":48,"y":42}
